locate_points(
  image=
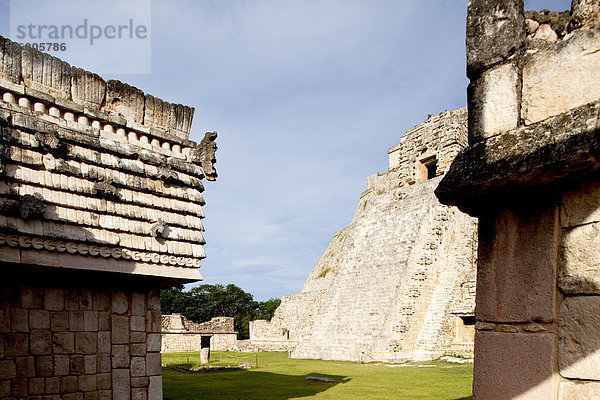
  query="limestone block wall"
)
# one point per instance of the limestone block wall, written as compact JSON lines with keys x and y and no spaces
{"x":179,"y":334}
{"x":530,"y":175}
{"x":66,"y":339}
{"x":385,"y":286}
{"x":189,"y":341}
{"x":216,"y":324}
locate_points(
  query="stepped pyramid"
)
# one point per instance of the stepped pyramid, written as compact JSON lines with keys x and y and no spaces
{"x":398,"y":282}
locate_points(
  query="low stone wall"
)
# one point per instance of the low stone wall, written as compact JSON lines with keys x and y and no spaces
{"x":190,"y":341}
{"x":180,"y":334}
{"x":265,"y":345}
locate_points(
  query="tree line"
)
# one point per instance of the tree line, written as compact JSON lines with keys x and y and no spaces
{"x":201,"y":303}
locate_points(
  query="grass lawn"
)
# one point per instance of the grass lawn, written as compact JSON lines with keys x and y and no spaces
{"x":278,"y":377}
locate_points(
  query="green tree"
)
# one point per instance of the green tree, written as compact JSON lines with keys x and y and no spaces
{"x":204,"y":302}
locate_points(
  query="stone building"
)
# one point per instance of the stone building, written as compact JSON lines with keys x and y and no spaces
{"x":531,"y":176}
{"x":398,"y":282}
{"x":180,"y":334}
{"x":100,"y":206}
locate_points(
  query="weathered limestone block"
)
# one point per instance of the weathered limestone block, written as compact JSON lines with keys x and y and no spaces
{"x":515,"y":275}
{"x":25,"y":367}
{"x":140,"y":381}
{"x":86,"y":383}
{"x":175,"y":118}
{"x":91,"y":364}
{"x":42,"y":72}
{"x":120,"y":356}
{"x":120,"y":303}
{"x":139,"y":394}
{"x":61,"y":365}
{"x":584,"y":13}
{"x":497,"y":376}
{"x":76,"y":364}
{"x":40,"y":342}
{"x":39,"y":319}
{"x":581,"y":206}
{"x":138,"y":366}
{"x":120,"y":329}
{"x":494,"y":102}
{"x":124,"y":100}
{"x":10,"y":60}
{"x":545,"y":32}
{"x":8,"y":369}
{"x":561,"y":78}
{"x":54,"y":299}
{"x":44,"y":366}
{"x":580,"y":260}
{"x":156,"y":112}
{"x":121,"y":384}
{"x":155,"y":388}
{"x":86,"y":342}
{"x":63,"y":342}
{"x":574,"y":390}
{"x":579,"y":342}
{"x":59,"y":321}
{"x":557,"y":21}
{"x":153,"y":364}
{"x":87,"y":89}
{"x":495,"y":31}
{"x":19,"y":320}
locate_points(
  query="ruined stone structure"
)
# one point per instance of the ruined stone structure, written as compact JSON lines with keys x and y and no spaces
{"x":531,"y":176}
{"x":100,"y":205}
{"x":398,"y":283}
{"x":180,"y":334}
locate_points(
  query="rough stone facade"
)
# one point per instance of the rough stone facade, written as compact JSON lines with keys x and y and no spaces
{"x":531,"y":176}
{"x":397,"y":283}
{"x":180,"y":334}
{"x":100,"y":206}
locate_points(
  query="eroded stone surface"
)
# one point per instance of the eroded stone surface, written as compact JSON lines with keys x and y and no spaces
{"x":580,"y":260}
{"x":516,"y":275}
{"x":497,"y":375}
{"x":559,"y":79}
{"x":579,"y":390}
{"x":585,"y":13}
{"x":581,"y":206}
{"x":495,"y":30}
{"x":494,"y":102}
{"x":579,"y":342}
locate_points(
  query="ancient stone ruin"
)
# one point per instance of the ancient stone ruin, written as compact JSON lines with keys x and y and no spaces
{"x":100,"y":205}
{"x":531,"y":175}
{"x":181,"y":334}
{"x":398,"y":283}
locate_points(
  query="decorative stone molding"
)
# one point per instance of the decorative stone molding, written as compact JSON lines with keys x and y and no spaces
{"x":85,"y":249}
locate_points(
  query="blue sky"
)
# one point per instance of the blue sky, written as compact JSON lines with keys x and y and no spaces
{"x":307,"y":96}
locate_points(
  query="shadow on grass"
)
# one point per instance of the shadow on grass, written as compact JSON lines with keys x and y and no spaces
{"x":249,"y":385}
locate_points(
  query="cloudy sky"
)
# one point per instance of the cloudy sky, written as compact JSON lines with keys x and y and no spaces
{"x":307,"y":96}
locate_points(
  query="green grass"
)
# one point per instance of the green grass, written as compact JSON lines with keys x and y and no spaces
{"x":278,"y":377}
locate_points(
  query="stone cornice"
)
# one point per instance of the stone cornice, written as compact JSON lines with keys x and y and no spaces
{"x":530,"y":158}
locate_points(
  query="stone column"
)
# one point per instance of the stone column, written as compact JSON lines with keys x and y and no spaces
{"x":532,"y":176}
